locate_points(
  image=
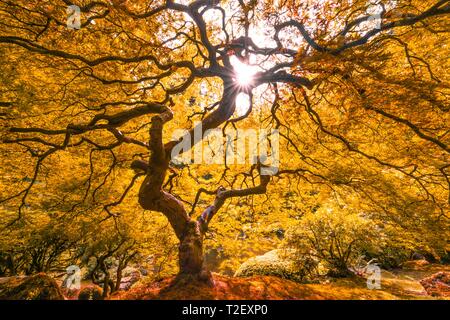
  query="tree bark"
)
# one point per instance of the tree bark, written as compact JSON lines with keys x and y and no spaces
{"x":191,"y":250}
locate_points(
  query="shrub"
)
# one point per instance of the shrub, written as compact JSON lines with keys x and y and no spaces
{"x":334,"y":237}
{"x":37,"y":287}
{"x":90,"y":293}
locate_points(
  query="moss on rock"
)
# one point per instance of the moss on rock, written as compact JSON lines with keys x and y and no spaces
{"x":280,"y":263}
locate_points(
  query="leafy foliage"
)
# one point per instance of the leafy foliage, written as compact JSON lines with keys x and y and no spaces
{"x":88,"y":116}
{"x":336,"y":238}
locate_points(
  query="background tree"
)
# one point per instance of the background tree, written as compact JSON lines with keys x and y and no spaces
{"x":335,"y":237}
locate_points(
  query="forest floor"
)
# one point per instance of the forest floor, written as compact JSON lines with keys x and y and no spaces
{"x":395,"y":284}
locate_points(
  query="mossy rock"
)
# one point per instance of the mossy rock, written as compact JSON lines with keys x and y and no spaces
{"x":36,"y":287}
{"x":280,"y":263}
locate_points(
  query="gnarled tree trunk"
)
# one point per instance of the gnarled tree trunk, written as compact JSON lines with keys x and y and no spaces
{"x":153,"y":197}
{"x":191,"y":249}
{"x":189,"y":231}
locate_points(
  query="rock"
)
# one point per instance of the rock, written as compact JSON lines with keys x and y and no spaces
{"x":418,"y":256}
{"x":37,"y":287}
{"x":90,"y":293}
{"x":128,"y":271}
{"x":143,"y":271}
{"x":280,"y":263}
{"x":437,"y":284}
{"x":127,"y":282}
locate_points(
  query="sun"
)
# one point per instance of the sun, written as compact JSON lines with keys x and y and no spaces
{"x":244,"y":73}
